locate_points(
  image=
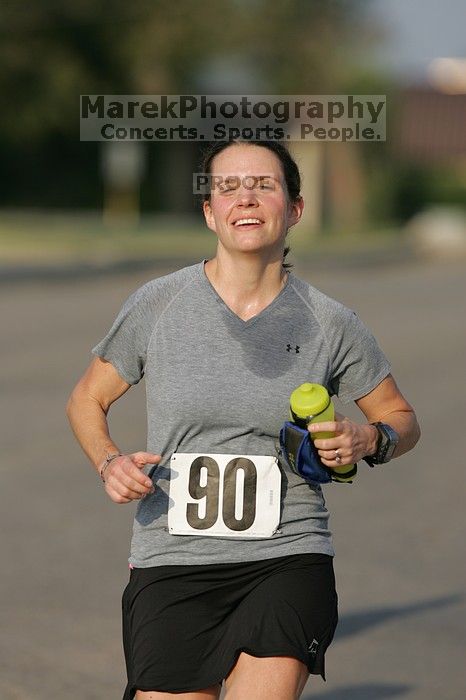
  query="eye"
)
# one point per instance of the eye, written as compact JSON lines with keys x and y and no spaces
{"x":225,"y":188}
{"x":265,"y":184}
{"x":228,"y":185}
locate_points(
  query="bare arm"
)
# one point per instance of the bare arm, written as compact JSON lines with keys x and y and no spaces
{"x":386,"y":404}
{"x":353,"y":440}
{"x":87,"y":410}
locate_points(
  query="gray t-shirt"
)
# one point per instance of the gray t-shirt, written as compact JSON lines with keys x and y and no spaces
{"x":216,"y":384}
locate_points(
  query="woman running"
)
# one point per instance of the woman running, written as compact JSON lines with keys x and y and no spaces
{"x":231,"y":557}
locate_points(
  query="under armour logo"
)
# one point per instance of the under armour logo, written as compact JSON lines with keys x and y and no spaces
{"x":296,"y":348}
{"x":312,"y":648}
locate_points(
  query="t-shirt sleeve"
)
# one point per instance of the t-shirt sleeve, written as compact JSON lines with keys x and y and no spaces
{"x":125,"y":345}
{"x":358,"y":364}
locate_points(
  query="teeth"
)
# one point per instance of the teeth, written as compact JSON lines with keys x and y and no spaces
{"x":247,"y":221}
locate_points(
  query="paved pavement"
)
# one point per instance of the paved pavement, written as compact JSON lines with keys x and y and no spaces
{"x":399,"y":531}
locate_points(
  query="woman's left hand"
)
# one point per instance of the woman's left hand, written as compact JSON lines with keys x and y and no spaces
{"x":351,"y":441}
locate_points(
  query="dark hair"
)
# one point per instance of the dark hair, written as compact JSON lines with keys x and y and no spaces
{"x":290,"y":169}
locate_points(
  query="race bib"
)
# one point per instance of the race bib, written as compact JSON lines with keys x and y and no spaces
{"x":222,"y":495}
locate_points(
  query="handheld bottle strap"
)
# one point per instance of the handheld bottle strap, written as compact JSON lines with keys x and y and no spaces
{"x":303,"y":459}
{"x":301,"y":455}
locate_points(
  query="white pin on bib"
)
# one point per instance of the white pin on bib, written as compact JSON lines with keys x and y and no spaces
{"x":218,"y":495}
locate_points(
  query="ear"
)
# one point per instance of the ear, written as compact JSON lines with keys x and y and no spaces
{"x":208,"y":215}
{"x":295,"y":211}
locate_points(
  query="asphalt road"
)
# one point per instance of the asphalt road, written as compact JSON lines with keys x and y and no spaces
{"x":399,"y":531}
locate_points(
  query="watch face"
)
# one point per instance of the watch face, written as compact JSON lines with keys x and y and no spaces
{"x":389,"y":451}
{"x":388,"y":441}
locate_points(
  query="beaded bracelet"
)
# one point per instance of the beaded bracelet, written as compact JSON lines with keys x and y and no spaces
{"x":109,"y":458}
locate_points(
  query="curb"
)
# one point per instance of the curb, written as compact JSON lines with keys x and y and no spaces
{"x":66,"y":271}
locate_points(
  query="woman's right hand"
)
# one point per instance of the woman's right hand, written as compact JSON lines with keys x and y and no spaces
{"x":124,"y":479}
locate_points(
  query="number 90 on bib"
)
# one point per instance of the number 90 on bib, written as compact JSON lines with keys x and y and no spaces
{"x":218,"y":495}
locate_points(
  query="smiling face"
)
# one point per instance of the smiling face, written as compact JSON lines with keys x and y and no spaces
{"x":249,"y":208}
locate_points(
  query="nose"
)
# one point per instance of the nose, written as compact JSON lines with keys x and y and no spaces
{"x":246,"y":197}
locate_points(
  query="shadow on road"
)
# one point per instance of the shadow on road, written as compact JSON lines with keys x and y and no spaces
{"x":363,"y":691}
{"x":354,"y":623}
{"x":357,"y":622}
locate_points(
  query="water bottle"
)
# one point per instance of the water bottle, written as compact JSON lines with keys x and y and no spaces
{"x":311,"y":403}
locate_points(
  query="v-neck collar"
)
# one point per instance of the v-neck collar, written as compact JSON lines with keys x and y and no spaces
{"x":242,"y":323}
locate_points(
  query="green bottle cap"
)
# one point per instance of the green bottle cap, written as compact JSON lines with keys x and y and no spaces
{"x":309,"y":400}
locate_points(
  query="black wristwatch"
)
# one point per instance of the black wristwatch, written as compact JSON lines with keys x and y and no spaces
{"x":387,"y":441}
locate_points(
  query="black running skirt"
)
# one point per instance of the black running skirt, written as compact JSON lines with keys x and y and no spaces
{"x":185,"y":626}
